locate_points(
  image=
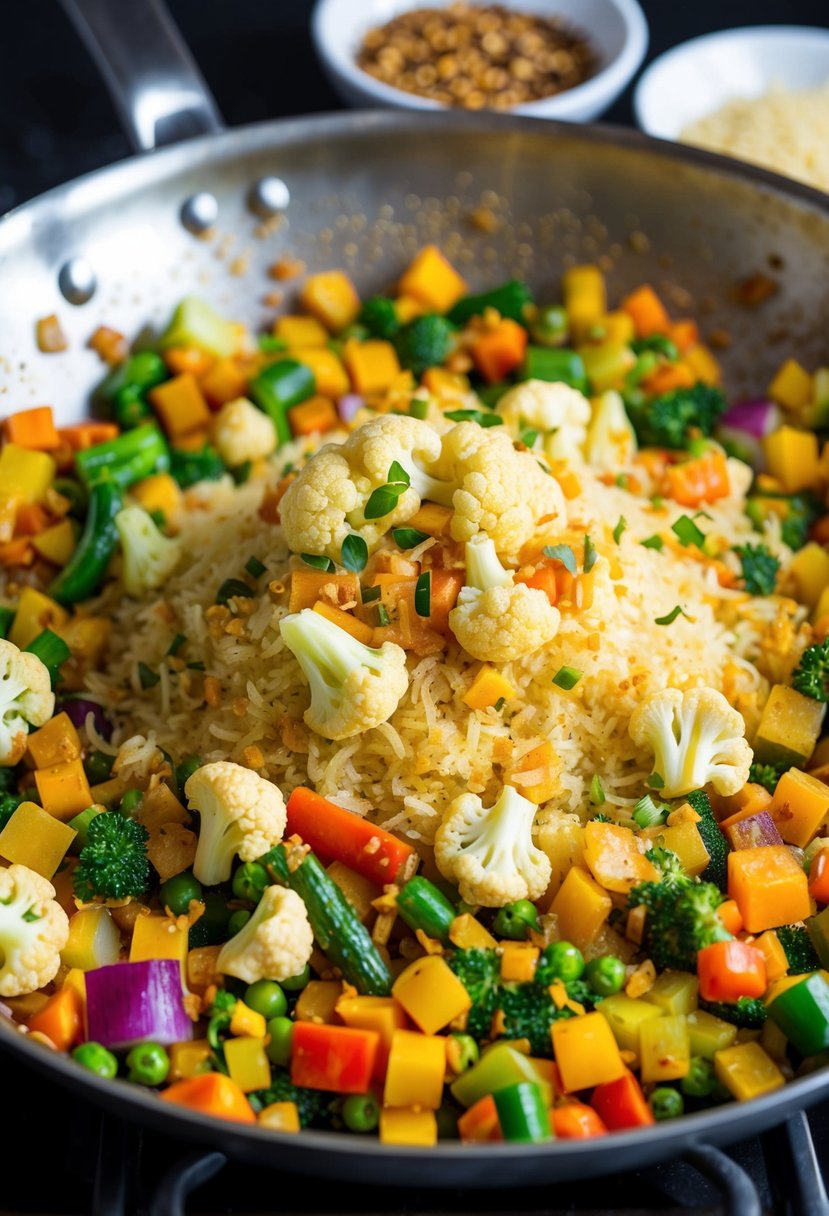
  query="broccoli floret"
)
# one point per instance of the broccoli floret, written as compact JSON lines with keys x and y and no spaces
{"x":715,"y":843}
{"x":759,"y":568}
{"x":797,"y":516}
{"x":671,"y":420}
{"x":510,"y":299}
{"x":379,"y":316}
{"x":312,"y":1104}
{"x":811,"y":676}
{"x":798,"y":948}
{"x":8,"y":805}
{"x":669,"y":866}
{"x":188,"y":468}
{"x":748,"y":1012}
{"x":767,"y":775}
{"x":424,"y":343}
{"x":479,"y":971}
{"x":114,"y":863}
{"x":681,"y":920}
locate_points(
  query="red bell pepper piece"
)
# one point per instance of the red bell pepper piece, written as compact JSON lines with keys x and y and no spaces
{"x":621,"y":1103}
{"x":340,"y":835}
{"x":337,"y":1058}
{"x":729,"y":970}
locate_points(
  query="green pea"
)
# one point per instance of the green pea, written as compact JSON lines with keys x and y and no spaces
{"x":130,"y":802}
{"x":666,"y":1103}
{"x":297,"y":982}
{"x":514,"y":920}
{"x":178,"y":892}
{"x":461,"y":1052}
{"x":565,"y":961}
{"x":550,"y":326}
{"x":98,"y":767}
{"x":281,"y":1031}
{"x":95,"y":1058}
{"x":700,"y":1080}
{"x":211,"y":929}
{"x":129,"y":407}
{"x":148,"y":1064}
{"x":186,"y":769}
{"x":267,"y":998}
{"x":361,"y":1112}
{"x":238,"y":921}
{"x":251,"y":881}
{"x":605,"y":975}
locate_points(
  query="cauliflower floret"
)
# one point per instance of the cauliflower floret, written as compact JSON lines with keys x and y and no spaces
{"x":26,"y":699}
{"x":242,"y":432}
{"x":501,"y":491}
{"x":696,"y":738}
{"x":328,"y":498}
{"x":496,"y":620}
{"x":241,"y":813}
{"x":489,"y":852}
{"x":559,"y":412}
{"x":148,"y":557}
{"x":353,"y":687}
{"x":33,"y":930}
{"x":275,"y":944}
{"x":611,"y":440}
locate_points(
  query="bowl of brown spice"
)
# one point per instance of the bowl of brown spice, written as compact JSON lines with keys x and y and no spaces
{"x":565,"y":59}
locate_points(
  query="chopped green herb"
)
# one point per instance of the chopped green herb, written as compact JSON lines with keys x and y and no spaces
{"x":159,"y":518}
{"x":687,"y":532}
{"x":408,"y":538}
{"x":418,"y":408}
{"x":670,"y":618}
{"x":176,"y":644}
{"x":567,"y":678}
{"x":563,"y":554}
{"x":423,"y":594}
{"x":233,"y":588}
{"x":648,"y":814}
{"x":499,"y":704}
{"x":354,"y":553}
{"x":384,"y":499}
{"x":269,"y":344}
{"x":382,"y":614}
{"x":528,"y":438}
{"x":656,"y":781}
{"x":50,"y":649}
{"x":255,"y":568}
{"x":147,"y":677}
{"x":198,"y":666}
{"x":370,"y":594}
{"x":242,"y":472}
{"x":287,"y":468}
{"x":657,"y":501}
{"x":590,"y":555}
{"x":6,"y":617}
{"x":653,"y":542}
{"x":482,"y":417}
{"x":597,"y":794}
{"x":397,"y":475}
{"x":759,"y":568}
{"x":619,"y":529}
{"x":318,"y":561}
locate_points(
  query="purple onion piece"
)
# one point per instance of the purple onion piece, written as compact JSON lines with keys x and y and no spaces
{"x":758,"y":418}
{"x":349,"y":405}
{"x":744,"y":446}
{"x":129,"y":1003}
{"x":77,"y":708}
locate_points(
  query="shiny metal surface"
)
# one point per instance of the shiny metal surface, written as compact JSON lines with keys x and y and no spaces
{"x":77,"y":281}
{"x":269,"y":196}
{"x":199,"y":212}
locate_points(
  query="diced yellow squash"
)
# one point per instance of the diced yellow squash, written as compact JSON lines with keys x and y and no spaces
{"x":585,"y":298}
{"x":247,"y":1023}
{"x":582,"y":907}
{"x":94,"y":940}
{"x":789,"y":727}
{"x":773,"y":1041}
{"x":330,"y":377}
{"x":25,"y":475}
{"x":586,"y":1052}
{"x":34,"y":838}
{"x":280,"y":1117}
{"x":799,"y":806}
{"x":684,"y":840}
{"x":618,"y":327}
{"x":487,"y":689}
{"x":189,"y":1059}
{"x":56,"y":544}
{"x":35,"y":612}
{"x":809,"y":569}
{"x":332,"y":298}
{"x":56,"y":742}
{"x":431,"y":994}
{"x":665,"y":1049}
{"x":372,"y":365}
{"x":793,"y":458}
{"x":626,"y":1016}
{"x":449,"y":386}
{"x":318,"y":1001}
{"x":709,"y":1034}
{"x":247,"y":1063}
{"x":607,"y":363}
{"x":821,"y":609}
{"x":612,"y":854}
{"x":64,"y":789}
{"x":161,"y":492}
{"x":518,"y":962}
{"x":416,"y":1070}
{"x":467,"y":933}
{"x":297,"y":332}
{"x":747,"y":1071}
{"x":159,"y":937}
{"x":413,"y":1127}
{"x":674,"y":992}
{"x":792,"y":386}
{"x":432,"y":519}
{"x":703,"y":364}
{"x":407,"y":308}
{"x":432,"y":280}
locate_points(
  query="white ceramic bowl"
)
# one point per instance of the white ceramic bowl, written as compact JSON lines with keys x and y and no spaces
{"x":616,"y":28}
{"x":697,"y":77}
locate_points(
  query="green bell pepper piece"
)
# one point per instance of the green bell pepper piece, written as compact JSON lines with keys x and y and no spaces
{"x":85,"y":570}
{"x":123,"y":461}
{"x":523,"y":1113}
{"x":802,"y":1013}
{"x":142,"y":371}
{"x":279,"y":387}
{"x":555,"y":364}
{"x":423,"y":906}
{"x":509,"y":299}
{"x":196,"y":323}
{"x":81,"y":823}
{"x":499,"y":1067}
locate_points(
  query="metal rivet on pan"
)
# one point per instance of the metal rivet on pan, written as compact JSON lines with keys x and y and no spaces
{"x":77,"y":281}
{"x":269,"y":196}
{"x":199,"y":212}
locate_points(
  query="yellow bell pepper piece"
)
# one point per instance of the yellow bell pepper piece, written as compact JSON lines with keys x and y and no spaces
{"x":34,"y":838}
{"x":777,"y":964}
{"x":94,"y":940}
{"x":809,"y":569}
{"x":582,"y":907}
{"x":417,"y":1127}
{"x":189,"y":1059}
{"x":607,"y":363}
{"x":330,"y":377}
{"x":373,"y":365}
{"x":25,"y":475}
{"x":793,"y":458}
{"x":35,"y":612}
{"x":747,"y":1071}
{"x":674,"y":993}
{"x":618,"y":327}
{"x":789,"y":727}
{"x":431,"y":994}
{"x":792,"y":386}
{"x":332,"y":298}
{"x":297,"y":332}
{"x":247,"y":1063}
{"x":56,"y":544}
{"x":799,"y":806}
{"x":247,"y":1023}
{"x":280,"y":1117}
{"x":518,"y":962}
{"x":467,"y":933}
{"x":158,"y":493}
{"x":626,"y":1017}
{"x":585,"y":298}
{"x":76,"y":979}
{"x":708,"y":1034}
{"x":432,"y":518}
{"x":487,"y":689}
{"x":416,"y":1070}
{"x":380,"y":1013}
{"x":703,"y":364}
{"x":159,"y":937}
{"x":55,"y":743}
{"x":666,"y":1049}
{"x":318,"y":1001}
{"x":432,"y":281}
{"x":586,"y":1052}
{"x":64,"y":790}
{"x":684,"y":840}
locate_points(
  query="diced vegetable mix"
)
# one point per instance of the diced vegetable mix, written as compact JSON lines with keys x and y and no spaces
{"x":188,"y":931}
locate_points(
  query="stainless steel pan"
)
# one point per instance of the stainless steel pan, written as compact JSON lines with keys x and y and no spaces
{"x":366,"y":189}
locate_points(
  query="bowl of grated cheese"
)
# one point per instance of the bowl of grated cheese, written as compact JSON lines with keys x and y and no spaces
{"x":760,"y":94}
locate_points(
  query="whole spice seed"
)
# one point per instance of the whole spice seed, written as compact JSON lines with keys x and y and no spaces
{"x":477,"y":57}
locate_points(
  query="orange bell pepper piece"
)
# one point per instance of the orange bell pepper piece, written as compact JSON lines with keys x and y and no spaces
{"x":669,"y":377}
{"x":542,"y":579}
{"x":621,"y":1103}
{"x":729,"y":914}
{"x":649,"y":313}
{"x":446,"y":587}
{"x":61,"y":1018}
{"x":498,"y":351}
{"x":211,"y":1093}
{"x":85,"y":435}
{"x":480,"y":1122}
{"x":340,"y":835}
{"x":577,"y":1121}
{"x":697,"y":481}
{"x":729,"y":970}
{"x":34,"y":428}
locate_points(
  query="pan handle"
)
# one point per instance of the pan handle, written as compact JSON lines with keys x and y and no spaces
{"x":158,"y":90}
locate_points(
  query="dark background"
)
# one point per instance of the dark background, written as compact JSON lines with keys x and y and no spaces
{"x":56,"y":120}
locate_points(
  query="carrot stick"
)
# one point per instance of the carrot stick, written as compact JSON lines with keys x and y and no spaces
{"x":340,"y":835}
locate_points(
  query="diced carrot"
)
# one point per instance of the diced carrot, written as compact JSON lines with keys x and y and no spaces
{"x":777,"y":964}
{"x":85,"y":435}
{"x":61,"y":1018}
{"x":341,"y":835}
{"x":684,"y":334}
{"x":480,"y":1122}
{"x":345,"y":621}
{"x":31,"y":519}
{"x":729,"y":970}
{"x":669,"y":377}
{"x":729,"y":914}
{"x":621,"y":1103}
{"x":111,"y":345}
{"x":17,"y":553}
{"x":649,"y":313}
{"x":223,"y":382}
{"x":446,"y":587}
{"x":211,"y":1093}
{"x":498,"y":351}
{"x":314,"y":416}
{"x":180,"y":406}
{"x":577,"y":1121}
{"x":542,"y":579}
{"x":181,"y":359}
{"x":34,"y":428}
{"x":693,"y":482}
{"x":307,"y":585}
